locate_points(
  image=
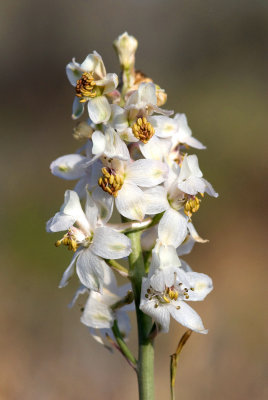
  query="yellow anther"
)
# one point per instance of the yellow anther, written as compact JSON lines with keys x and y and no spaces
{"x":173,"y":294}
{"x":191,"y":206}
{"x":143,"y":130}
{"x":69,"y":241}
{"x":166,"y":299}
{"x":110,"y":182}
{"x":85,"y":87}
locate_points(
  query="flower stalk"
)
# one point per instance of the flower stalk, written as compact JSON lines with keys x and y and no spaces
{"x":123,"y":347}
{"x":146,"y":346}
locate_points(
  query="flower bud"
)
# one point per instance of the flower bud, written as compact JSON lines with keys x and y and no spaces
{"x":82,"y":131}
{"x":126,"y":46}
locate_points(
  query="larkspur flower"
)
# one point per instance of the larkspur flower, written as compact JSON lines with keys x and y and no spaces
{"x":90,"y":239}
{"x":132,"y":121}
{"x":92,"y":85}
{"x":98,"y":313}
{"x":124,"y":180}
{"x":168,"y":288}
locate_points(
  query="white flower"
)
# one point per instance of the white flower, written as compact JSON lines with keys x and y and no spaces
{"x":169,"y":134}
{"x":97,"y":312}
{"x":183,"y":134}
{"x":166,"y":290}
{"x":91,"y":241}
{"x":86,"y":168}
{"x":191,"y":179}
{"x":92,"y":85}
{"x":124,"y":180}
{"x":126,"y":47}
{"x":109,"y":144}
{"x":131,"y":121}
{"x":144,"y":100}
{"x":70,"y":166}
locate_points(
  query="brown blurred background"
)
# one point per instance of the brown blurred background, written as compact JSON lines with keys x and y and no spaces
{"x":211,"y":57}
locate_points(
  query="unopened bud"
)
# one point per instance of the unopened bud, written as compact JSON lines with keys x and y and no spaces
{"x":82,"y":131}
{"x":126,"y":46}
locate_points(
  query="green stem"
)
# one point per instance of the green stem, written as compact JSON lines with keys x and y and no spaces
{"x":118,"y":267}
{"x":146,"y":349}
{"x":122,"y":345}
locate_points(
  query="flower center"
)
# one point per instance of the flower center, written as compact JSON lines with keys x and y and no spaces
{"x":85,"y":87}
{"x":169,"y":294}
{"x":73,"y":239}
{"x":68,"y":240}
{"x":192,"y":205}
{"x":110,"y":182}
{"x":143,"y":130}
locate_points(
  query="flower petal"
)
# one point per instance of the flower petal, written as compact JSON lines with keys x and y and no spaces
{"x":164,"y":126}
{"x":72,"y":207}
{"x":195,"y":235}
{"x":186,"y":316}
{"x":156,"y":200}
{"x":202,"y":285}
{"x":209,"y":189}
{"x":68,"y":273}
{"x":184,"y":133}
{"x":69,"y":167}
{"x":115,"y":147}
{"x":159,"y":314}
{"x":73,"y":73}
{"x":130,"y":202}
{"x":149,"y":237}
{"x":78,"y":108}
{"x":155,"y":149}
{"x":80,"y":291}
{"x":147,"y":93}
{"x":99,"y":142}
{"x":108,"y":243}
{"x":119,"y":120}
{"x":168,"y":257}
{"x":93,"y":63}
{"x":90,"y":270}
{"x":192,"y":185}
{"x":99,"y":109}
{"x":186,"y":246}
{"x":97,"y":314}
{"x":91,"y":211}
{"x":172,"y":228}
{"x":105,"y":204}
{"x":110,"y":83}
{"x":146,"y":173}
{"x":60,"y":222}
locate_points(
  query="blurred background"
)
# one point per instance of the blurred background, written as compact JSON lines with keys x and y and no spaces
{"x":211,"y":58}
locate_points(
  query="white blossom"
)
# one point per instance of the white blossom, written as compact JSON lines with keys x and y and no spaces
{"x":92,"y":86}
{"x":97,"y":313}
{"x":166,"y":291}
{"x":127,"y":180}
{"x":191,"y":179}
{"x":90,"y":239}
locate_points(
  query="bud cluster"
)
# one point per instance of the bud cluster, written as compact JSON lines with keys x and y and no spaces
{"x":134,"y":160}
